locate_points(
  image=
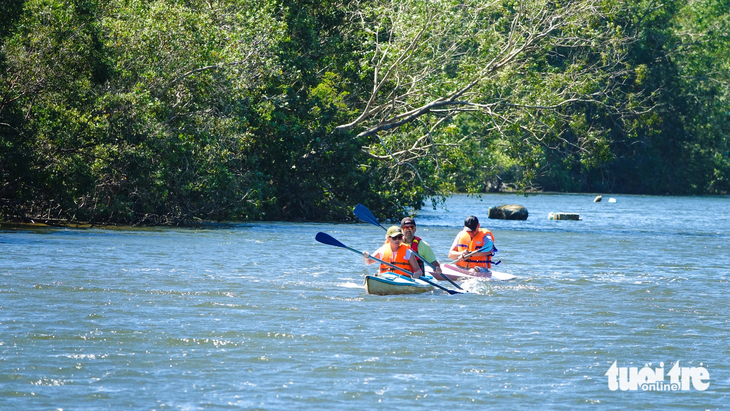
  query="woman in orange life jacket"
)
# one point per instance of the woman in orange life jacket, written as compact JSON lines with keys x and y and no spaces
{"x":470,"y":239}
{"x":396,"y":253}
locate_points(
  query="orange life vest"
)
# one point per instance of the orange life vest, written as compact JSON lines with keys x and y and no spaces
{"x":399,"y":259}
{"x":473,"y":244}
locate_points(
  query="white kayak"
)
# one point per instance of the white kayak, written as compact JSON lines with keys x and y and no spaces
{"x":459,"y":274}
{"x":393,"y":284}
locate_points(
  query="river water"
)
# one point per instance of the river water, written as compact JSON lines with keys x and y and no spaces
{"x":261,"y":316}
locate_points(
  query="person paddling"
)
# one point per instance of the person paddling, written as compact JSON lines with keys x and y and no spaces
{"x":408,"y":226}
{"x":470,"y":239}
{"x":396,"y":253}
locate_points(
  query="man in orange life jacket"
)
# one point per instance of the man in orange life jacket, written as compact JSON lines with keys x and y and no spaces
{"x":408,"y":226}
{"x":396,"y":253}
{"x":470,"y":239}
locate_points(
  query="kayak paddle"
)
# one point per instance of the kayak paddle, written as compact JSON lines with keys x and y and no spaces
{"x":365,"y":215}
{"x":489,"y":245}
{"x":329,"y":240}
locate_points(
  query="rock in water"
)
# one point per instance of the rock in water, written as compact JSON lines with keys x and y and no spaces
{"x":508,"y":212}
{"x":598,"y":199}
{"x":564,"y":216}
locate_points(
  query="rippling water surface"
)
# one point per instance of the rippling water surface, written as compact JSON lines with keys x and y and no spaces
{"x":262,"y":316}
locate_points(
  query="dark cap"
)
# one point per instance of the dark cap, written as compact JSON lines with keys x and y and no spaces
{"x":471,"y":223}
{"x":407,"y":221}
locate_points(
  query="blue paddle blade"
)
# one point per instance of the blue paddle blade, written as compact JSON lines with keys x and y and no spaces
{"x":488,"y":245}
{"x":328,"y":239}
{"x":365,"y":215}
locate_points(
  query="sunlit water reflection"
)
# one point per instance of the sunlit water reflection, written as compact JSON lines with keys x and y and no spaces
{"x":263,"y":316}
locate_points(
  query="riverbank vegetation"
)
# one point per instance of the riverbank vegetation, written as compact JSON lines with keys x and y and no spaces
{"x":172,"y":111}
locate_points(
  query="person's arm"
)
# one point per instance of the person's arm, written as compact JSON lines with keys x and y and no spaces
{"x":436,"y":267}
{"x":454,"y":254}
{"x":414,"y":266}
{"x":366,"y":257}
{"x":425,"y":251}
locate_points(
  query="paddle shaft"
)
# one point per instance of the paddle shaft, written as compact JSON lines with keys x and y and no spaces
{"x":465,"y":275}
{"x":440,"y":287}
{"x":325,"y":238}
{"x":471,"y":254}
{"x":434,"y":269}
{"x":384,"y":262}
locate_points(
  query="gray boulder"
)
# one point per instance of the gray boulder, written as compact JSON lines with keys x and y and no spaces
{"x":508,"y":212}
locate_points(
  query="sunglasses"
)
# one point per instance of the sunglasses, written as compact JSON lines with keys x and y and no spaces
{"x":398,"y":237}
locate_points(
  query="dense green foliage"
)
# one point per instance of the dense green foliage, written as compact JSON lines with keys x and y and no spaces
{"x":170,"y":111}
